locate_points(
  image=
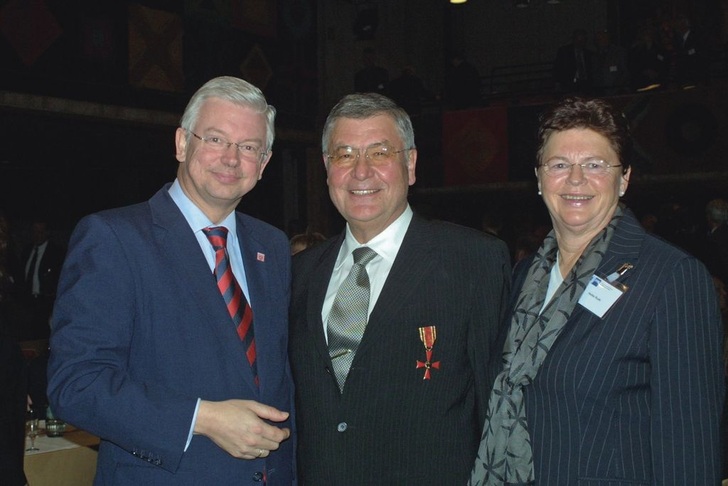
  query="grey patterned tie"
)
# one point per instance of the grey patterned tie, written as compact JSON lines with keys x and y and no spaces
{"x":348,"y":316}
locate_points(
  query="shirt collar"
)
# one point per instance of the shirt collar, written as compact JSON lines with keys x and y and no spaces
{"x":386,"y":243}
{"x":194,"y":215}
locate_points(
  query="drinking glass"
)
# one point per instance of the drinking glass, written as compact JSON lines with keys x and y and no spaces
{"x":32,"y":427}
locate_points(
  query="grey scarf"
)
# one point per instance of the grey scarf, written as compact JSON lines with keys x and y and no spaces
{"x":505,"y":456}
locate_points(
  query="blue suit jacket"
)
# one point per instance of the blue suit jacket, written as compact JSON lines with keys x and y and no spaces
{"x":635,"y":397}
{"x":140,"y":331}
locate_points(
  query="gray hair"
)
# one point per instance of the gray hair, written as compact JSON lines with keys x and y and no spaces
{"x":367,"y":105}
{"x":237,"y":91}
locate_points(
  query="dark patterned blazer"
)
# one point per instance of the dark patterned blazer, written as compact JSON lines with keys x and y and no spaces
{"x":634,"y":398}
{"x":140,"y":332}
{"x":390,"y":425}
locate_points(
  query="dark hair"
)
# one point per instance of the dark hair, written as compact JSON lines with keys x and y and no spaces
{"x":306,"y":240}
{"x":593,"y":114}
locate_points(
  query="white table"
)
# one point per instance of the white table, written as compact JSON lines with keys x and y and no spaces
{"x":62,"y":461}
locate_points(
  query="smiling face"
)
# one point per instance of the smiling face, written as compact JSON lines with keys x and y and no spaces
{"x":215,"y":180}
{"x":580,"y":205}
{"x":370,"y":197}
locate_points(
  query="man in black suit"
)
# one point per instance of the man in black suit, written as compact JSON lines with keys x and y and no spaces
{"x":410,"y":407}
{"x":372,"y":77}
{"x":42,"y":262}
{"x":573,"y":66}
{"x":691,"y":64}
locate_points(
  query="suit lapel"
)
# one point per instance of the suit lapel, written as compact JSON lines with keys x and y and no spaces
{"x":414,"y":262}
{"x":319,"y":283}
{"x":253,"y":255}
{"x":624,"y":246}
{"x":254,"y":260}
{"x":415,"y":259}
{"x":178,"y":244}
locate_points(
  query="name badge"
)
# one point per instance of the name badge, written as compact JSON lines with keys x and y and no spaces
{"x":602,"y":292}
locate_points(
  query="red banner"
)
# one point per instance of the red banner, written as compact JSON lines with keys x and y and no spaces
{"x":475,"y":146}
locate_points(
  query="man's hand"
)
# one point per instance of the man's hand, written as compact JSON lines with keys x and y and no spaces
{"x":240,"y":428}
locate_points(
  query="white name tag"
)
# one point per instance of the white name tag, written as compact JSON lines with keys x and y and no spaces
{"x":600,"y":295}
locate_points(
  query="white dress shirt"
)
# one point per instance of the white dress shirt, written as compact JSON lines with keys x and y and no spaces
{"x":198,"y":221}
{"x":32,"y":273}
{"x":386,"y":244}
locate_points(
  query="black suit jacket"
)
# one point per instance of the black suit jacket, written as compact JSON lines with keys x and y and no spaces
{"x":716,"y":256}
{"x":691,"y":64}
{"x":32,"y":321}
{"x":635,"y":397}
{"x":565,"y":68}
{"x":390,"y":425}
{"x":49,"y":268}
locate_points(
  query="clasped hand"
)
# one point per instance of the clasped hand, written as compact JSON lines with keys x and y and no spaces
{"x":241,"y":427}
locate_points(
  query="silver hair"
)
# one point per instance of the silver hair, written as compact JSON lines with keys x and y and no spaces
{"x":367,"y":105}
{"x":237,"y":91}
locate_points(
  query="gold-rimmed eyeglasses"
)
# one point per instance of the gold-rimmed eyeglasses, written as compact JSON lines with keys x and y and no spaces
{"x":590,"y":167}
{"x":247,"y":150}
{"x":377,"y":154}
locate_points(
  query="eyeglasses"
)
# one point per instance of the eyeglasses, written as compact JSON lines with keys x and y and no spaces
{"x":379,"y":154}
{"x":247,"y":151}
{"x":590,"y":167}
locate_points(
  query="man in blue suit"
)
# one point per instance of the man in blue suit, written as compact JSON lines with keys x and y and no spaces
{"x":144,"y":353}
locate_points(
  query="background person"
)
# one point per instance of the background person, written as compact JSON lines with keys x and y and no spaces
{"x":462,"y":84}
{"x":691,"y":61}
{"x":302,"y":241}
{"x":409,"y":92}
{"x":41,"y":266}
{"x":372,"y":77}
{"x":409,"y":408}
{"x":716,"y":240}
{"x":616,"y":382}
{"x":9,"y":270}
{"x":611,"y":68}
{"x":573,"y":66}
{"x":144,"y":353}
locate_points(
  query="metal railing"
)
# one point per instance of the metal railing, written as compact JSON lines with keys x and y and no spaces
{"x":505,"y":82}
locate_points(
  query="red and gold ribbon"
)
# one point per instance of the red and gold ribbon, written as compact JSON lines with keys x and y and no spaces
{"x":427,"y":336}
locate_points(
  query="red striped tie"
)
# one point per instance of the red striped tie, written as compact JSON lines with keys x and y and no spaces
{"x":237,"y":304}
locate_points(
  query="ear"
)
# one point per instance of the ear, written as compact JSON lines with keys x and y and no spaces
{"x":263,"y":164}
{"x":180,"y":143}
{"x":411,"y":164}
{"x":624,"y":182}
